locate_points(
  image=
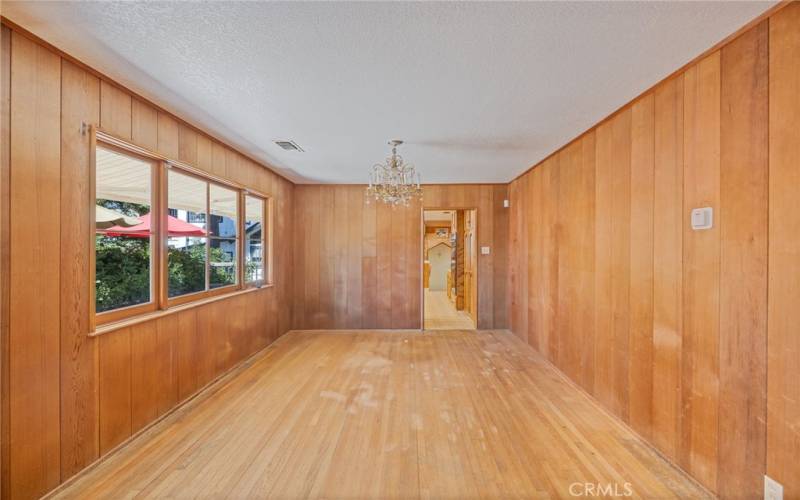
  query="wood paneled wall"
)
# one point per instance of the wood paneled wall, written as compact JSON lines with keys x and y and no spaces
{"x":671,"y":329}
{"x":70,"y":398}
{"x":358,"y":265}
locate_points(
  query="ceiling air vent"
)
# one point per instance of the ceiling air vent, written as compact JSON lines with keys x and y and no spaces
{"x":289,"y":146}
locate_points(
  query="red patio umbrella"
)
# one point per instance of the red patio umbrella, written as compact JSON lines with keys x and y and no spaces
{"x":175,"y":227}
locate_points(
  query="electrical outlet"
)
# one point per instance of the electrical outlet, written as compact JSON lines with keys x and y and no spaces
{"x":773,"y":490}
{"x":486,"y":250}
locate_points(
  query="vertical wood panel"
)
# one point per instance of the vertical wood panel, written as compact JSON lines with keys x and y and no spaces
{"x":168,"y":135}
{"x":521,"y":243}
{"x":485,"y":237}
{"x":620,"y":258}
{"x":80,"y":100}
{"x":585,"y":236}
{"x":311,"y":228}
{"x":34,"y":278}
{"x":144,"y":128}
{"x":5,"y":140}
{"x":355,"y":201}
{"x":499,"y":261}
{"x":218,"y":159}
{"x":327,"y":256}
{"x":569,"y":300}
{"x":205,"y":153}
{"x":299,"y":286}
{"x":743,"y":264}
{"x":604,"y":337}
{"x":115,"y":110}
{"x":187,"y":145}
{"x":399,"y":267}
{"x":340,"y":264}
{"x":783,"y":390}
{"x":369,"y":269}
{"x":188,"y":349}
{"x":515,"y":258}
{"x":701,"y":270}
{"x":535,"y":304}
{"x":550,"y":182}
{"x":166,"y":362}
{"x":145,"y":370}
{"x":384,"y":262}
{"x":114,"y":377}
{"x":413,"y":278}
{"x":667,"y":266}
{"x":641,"y":264}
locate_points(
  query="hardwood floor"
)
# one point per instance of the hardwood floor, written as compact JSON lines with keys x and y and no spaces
{"x":379,"y":414}
{"x":441,"y":313}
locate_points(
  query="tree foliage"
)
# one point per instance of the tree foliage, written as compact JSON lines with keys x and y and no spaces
{"x":123,"y":265}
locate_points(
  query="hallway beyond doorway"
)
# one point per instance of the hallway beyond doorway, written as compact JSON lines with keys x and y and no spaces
{"x":441,"y":313}
{"x":449,"y":269}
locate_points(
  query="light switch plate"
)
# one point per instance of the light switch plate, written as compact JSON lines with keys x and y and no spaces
{"x":485,"y":250}
{"x":702,"y":218}
{"x":506,"y":204}
{"x":773,"y":490}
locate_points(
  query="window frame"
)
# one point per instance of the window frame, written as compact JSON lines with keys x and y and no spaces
{"x":119,"y":313}
{"x":159,"y":280}
{"x":266,"y":228}
{"x":208,"y":292}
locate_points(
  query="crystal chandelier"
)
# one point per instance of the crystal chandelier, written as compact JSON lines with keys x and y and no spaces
{"x":394,"y":182}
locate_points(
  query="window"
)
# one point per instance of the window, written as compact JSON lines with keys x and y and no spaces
{"x":124,"y":271}
{"x":207,"y":238}
{"x":187,"y":240}
{"x":202,"y":235}
{"x":254,"y":245}
{"x":224,"y":232}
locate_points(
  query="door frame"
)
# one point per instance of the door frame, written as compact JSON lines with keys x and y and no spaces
{"x":421,"y":260}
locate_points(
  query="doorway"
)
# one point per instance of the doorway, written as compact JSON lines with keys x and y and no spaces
{"x":449,"y":269}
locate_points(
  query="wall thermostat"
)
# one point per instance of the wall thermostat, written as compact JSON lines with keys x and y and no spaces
{"x":702,"y":218}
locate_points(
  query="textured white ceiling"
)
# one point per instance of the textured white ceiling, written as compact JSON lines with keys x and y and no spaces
{"x":479,"y":91}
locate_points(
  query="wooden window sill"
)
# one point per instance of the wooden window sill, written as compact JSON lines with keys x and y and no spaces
{"x":141,"y":318}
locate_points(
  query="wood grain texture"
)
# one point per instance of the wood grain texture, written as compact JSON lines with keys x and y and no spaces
{"x":667,"y":267}
{"x":168,"y":135}
{"x":34,"y":361}
{"x":744,"y":176}
{"x":80,"y":99}
{"x":694,"y":336}
{"x":115,"y":110}
{"x":114,"y":379}
{"x":603,"y":323}
{"x":576,"y":261}
{"x":377,"y":414}
{"x":144,"y":119}
{"x":783,"y":351}
{"x":620,"y":260}
{"x":701,"y":270}
{"x":69,"y":398}
{"x":5,"y":179}
{"x":359,"y":265}
{"x":640,"y":370}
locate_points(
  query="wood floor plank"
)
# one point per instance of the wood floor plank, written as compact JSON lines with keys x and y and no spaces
{"x":387,"y":414}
